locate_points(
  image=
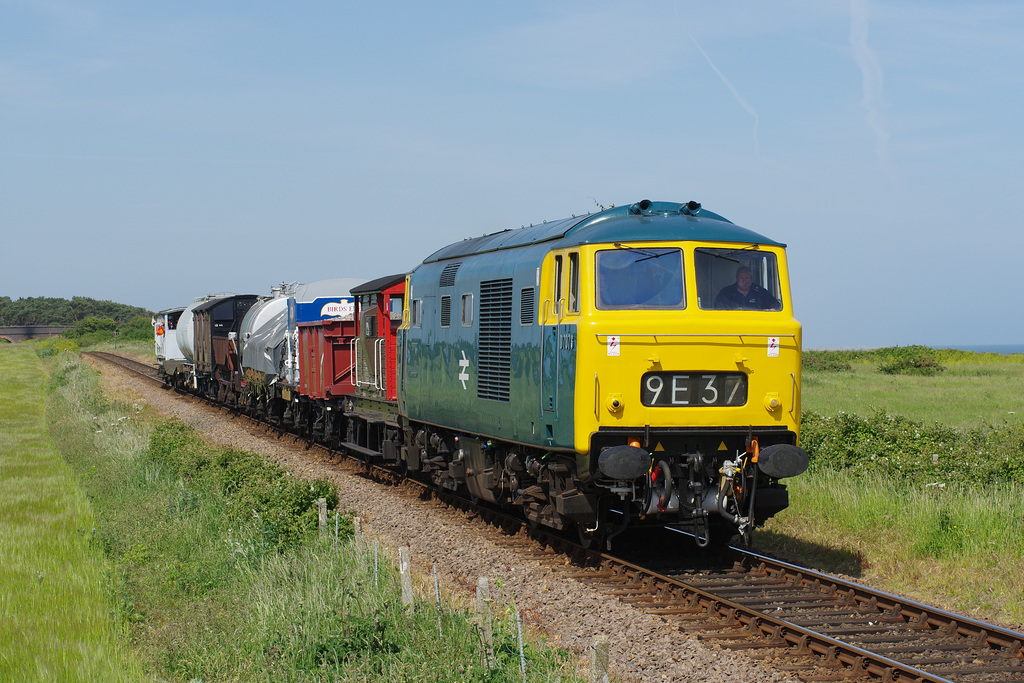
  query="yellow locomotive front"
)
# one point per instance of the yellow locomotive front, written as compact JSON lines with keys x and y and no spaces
{"x":687,"y":379}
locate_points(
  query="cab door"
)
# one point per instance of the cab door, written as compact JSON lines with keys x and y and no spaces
{"x":560,"y":316}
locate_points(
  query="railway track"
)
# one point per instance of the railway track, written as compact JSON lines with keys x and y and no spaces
{"x":828,"y":628}
{"x":143,"y":369}
{"x":814,"y":625}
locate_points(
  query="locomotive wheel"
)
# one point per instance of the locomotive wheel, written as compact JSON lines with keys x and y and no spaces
{"x":402,"y":469}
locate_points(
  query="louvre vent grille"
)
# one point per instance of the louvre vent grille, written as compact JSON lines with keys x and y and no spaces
{"x":495,"y":340}
{"x":448,"y":274}
{"x":446,"y":311}
{"x":527,"y":308}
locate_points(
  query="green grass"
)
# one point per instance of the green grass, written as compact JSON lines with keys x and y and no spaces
{"x":56,"y":621}
{"x":219,"y":574}
{"x":965,"y":395}
{"x":960,"y":547}
{"x":142,"y":351}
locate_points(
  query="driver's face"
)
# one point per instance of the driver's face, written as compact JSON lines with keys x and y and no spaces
{"x":743,"y":280}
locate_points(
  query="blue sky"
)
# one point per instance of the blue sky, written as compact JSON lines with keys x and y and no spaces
{"x":154,"y":152}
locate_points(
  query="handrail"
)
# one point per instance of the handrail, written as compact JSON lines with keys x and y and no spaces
{"x":741,"y":335}
{"x":351,"y":370}
{"x":355,"y":361}
{"x":379,"y":352}
{"x":792,"y":399}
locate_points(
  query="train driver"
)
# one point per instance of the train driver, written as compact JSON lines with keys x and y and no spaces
{"x":746,"y":294}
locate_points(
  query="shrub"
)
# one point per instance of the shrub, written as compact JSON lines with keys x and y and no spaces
{"x":139,"y":328}
{"x":826,"y":361}
{"x":90,"y":326}
{"x":261,"y":497}
{"x":913,"y":452}
{"x":908,"y":360}
{"x":54,"y":346}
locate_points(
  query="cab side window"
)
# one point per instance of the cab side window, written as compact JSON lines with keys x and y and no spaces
{"x":558,"y":282}
{"x":574,"y":283}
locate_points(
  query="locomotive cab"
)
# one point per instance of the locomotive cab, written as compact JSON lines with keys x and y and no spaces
{"x":687,"y":368}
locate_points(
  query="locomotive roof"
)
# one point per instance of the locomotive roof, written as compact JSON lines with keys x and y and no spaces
{"x":644,"y":221}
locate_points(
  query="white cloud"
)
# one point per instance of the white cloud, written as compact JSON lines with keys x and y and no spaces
{"x":872,"y":80}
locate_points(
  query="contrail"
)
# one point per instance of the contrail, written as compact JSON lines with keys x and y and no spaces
{"x":735,"y":94}
{"x":871,"y":73}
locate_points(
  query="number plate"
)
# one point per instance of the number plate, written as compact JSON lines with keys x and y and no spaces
{"x":693,"y":389}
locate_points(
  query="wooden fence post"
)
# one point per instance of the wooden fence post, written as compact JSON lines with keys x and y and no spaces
{"x":405,"y":570}
{"x":483,"y":610}
{"x":599,"y":659}
{"x":321,"y":511}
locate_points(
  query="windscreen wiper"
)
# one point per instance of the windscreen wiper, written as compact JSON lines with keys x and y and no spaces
{"x":646,"y":254}
{"x":723,"y":256}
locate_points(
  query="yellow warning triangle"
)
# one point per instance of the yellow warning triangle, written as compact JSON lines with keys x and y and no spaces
{"x":659,"y":447}
{"x":722,"y":447}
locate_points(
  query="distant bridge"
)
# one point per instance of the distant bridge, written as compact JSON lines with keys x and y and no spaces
{"x":17,"y":333}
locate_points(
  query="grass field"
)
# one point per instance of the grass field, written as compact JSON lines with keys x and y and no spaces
{"x":56,"y":621}
{"x":964,"y":395}
{"x":196,"y":563}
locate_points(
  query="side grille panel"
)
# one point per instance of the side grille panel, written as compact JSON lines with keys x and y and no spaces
{"x":495,"y":345}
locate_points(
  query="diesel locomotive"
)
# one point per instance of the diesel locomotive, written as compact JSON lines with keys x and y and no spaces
{"x":634,"y":367}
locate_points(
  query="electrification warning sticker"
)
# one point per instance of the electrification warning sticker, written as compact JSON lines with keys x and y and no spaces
{"x":613,"y":344}
{"x":773,"y":347}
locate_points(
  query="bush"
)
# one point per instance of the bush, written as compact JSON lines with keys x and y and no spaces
{"x":913,"y":452}
{"x":261,"y":497}
{"x":94,"y":330}
{"x":54,"y":346}
{"x":909,"y":360}
{"x":90,"y":326}
{"x":826,"y":361}
{"x":139,"y":328}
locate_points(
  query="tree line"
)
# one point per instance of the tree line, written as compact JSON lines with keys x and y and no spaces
{"x":42,"y":310}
